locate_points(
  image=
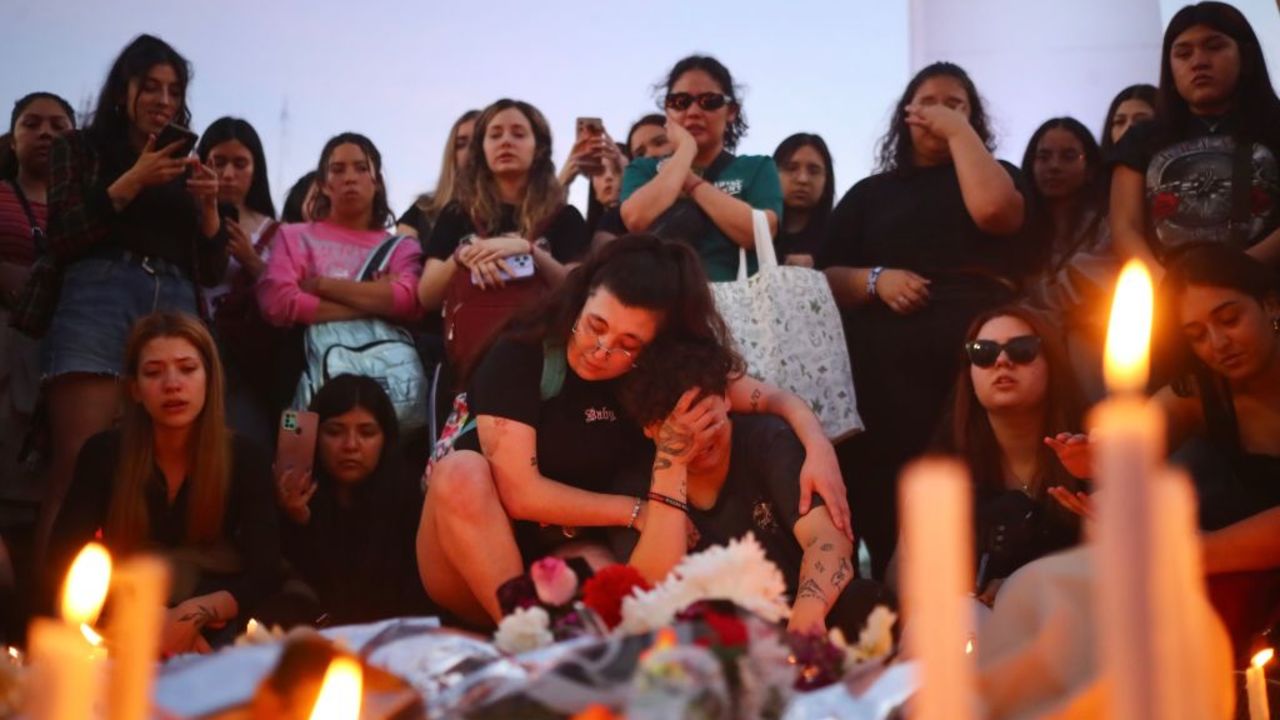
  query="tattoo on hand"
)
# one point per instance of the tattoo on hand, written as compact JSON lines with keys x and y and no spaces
{"x":661,"y":463}
{"x":673,"y":440}
{"x":810,"y":588}
{"x":842,"y":573}
{"x":201,"y":616}
{"x":817,"y":565}
{"x":828,"y":547}
{"x":755,"y":400}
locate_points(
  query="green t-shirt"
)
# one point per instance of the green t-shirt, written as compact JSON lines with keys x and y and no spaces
{"x":752,"y":179}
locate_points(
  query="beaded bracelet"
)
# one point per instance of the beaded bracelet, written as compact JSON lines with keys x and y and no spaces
{"x":635,"y":513}
{"x":669,"y":501}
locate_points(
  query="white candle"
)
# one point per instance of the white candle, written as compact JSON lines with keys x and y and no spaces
{"x":1256,"y":685}
{"x":937,"y":546}
{"x":66,"y":667}
{"x":138,"y":592}
{"x":339,"y":697}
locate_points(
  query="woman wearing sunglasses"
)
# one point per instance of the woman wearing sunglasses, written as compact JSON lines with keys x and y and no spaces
{"x":913,"y":254}
{"x":525,"y":462}
{"x":1016,"y":391}
{"x":703,"y":194}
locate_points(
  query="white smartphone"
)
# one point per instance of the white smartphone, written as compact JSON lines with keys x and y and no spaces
{"x":521,"y":267}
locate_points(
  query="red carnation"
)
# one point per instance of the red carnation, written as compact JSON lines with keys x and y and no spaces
{"x":604,"y":591}
{"x":730,"y":631}
{"x":1164,"y":204}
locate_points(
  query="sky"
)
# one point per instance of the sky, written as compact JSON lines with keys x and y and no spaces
{"x":401,"y":71}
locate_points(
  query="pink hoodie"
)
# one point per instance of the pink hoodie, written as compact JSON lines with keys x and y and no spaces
{"x":302,"y":250}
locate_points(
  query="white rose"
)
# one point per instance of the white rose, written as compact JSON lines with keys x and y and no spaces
{"x":524,"y":630}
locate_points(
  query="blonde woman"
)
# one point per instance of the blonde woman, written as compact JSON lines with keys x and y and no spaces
{"x":422,"y":214}
{"x":173,"y":480}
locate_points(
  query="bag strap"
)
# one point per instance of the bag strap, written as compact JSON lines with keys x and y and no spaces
{"x":1241,"y":190}
{"x":554,"y":367}
{"x":264,"y":239}
{"x":766,"y":255}
{"x":37,"y":233}
{"x":379,"y":258}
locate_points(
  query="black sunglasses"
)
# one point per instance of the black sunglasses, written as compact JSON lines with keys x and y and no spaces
{"x":707,"y":101}
{"x":984,"y":353}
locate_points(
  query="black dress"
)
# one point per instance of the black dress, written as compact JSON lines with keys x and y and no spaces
{"x":904,"y":366}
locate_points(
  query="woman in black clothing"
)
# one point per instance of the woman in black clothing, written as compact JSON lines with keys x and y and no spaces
{"x":349,"y":532}
{"x":808,"y":192}
{"x":129,"y":235}
{"x":172,"y":480}
{"x":1016,"y":390}
{"x":913,"y":254}
{"x":1206,"y":169}
{"x":1131,"y":106}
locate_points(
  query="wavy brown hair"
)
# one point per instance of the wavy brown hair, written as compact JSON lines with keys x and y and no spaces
{"x":447,"y":182}
{"x":477,"y":190}
{"x":967,"y":430}
{"x":208,"y":449}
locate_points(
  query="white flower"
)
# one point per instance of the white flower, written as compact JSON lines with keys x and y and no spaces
{"x":524,"y":630}
{"x":875,"y":642}
{"x":738,"y":572}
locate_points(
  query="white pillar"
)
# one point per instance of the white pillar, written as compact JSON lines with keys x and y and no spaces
{"x":1037,"y":59}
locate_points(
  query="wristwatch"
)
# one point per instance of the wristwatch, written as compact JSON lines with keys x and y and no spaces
{"x":872,"y":277}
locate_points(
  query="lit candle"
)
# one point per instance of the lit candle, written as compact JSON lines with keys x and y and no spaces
{"x":339,"y":697}
{"x":139,"y":589}
{"x":937,"y":546}
{"x":1129,"y":445}
{"x":66,"y":669}
{"x":1256,"y":685}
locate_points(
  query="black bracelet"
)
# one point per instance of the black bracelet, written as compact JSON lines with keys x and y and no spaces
{"x":669,"y":501}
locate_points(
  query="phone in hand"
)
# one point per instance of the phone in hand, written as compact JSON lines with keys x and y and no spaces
{"x":521,"y":267}
{"x":173,"y":133}
{"x":590,"y":128}
{"x":229,"y":212}
{"x":296,"y":441}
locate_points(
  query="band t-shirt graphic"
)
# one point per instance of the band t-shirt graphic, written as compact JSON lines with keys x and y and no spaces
{"x":1189,"y":188}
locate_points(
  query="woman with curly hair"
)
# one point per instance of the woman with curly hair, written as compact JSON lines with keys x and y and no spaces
{"x":528,"y":453}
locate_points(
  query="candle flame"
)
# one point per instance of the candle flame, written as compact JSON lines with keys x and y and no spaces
{"x":1263,"y":657}
{"x":1129,"y":332}
{"x":86,"y":587}
{"x":251,"y":627}
{"x":339,"y":697}
{"x":91,"y":635}
{"x":13,"y":652}
{"x":968,"y":647}
{"x":666,"y":638}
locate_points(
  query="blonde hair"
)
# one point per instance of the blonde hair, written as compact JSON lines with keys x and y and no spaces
{"x":208,"y":451}
{"x":446,"y":184}
{"x":478,"y":191}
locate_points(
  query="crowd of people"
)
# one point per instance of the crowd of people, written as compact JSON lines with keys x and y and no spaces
{"x":497,"y":378}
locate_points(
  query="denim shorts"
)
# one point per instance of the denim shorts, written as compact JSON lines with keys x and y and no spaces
{"x":102,"y":295}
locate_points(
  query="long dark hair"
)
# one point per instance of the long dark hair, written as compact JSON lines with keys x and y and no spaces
{"x":8,"y":156}
{"x":1256,"y":108}
{"x":654,"y":119}
{"x":109,"y":122}
{"x":896,"y":153}
{"x":642,"y":271}
{"x":1142,"y":91}
{"x":477,"y":190}
{"x":378,"y":501}
{"x":733,"y":131}
{"x":297,"y":195}
{"x":782,"y":156}
{"x":1209,"y":265}
{"x":967,"y":430}
{"x":226,"y":129}
{"x":321,"y":206}
{"x":1090,"y":197}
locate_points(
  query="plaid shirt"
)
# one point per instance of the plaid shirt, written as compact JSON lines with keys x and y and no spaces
{"x":80,"y":213}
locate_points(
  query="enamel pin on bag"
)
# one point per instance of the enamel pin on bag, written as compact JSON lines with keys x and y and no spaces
{"x":788,"y":329}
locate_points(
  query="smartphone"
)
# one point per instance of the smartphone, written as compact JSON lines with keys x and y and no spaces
{"x":590,"y":127}
{"x":521,"y":267}
{"x":229,"y":212}
{"x":296,"y":441}
{"x":173,"y":133}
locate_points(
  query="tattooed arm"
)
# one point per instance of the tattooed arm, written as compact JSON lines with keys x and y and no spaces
{"x":184,"y":622}
{"x":663,"y":540}
{"x":826,"y":569}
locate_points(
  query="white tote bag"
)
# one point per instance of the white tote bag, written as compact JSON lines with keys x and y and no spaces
{"x":788,"y":329}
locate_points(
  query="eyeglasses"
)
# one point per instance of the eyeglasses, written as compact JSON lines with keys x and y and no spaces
{"x":1021,"y":350}
{"x":592,"y":335}
{"x":707,"y":101}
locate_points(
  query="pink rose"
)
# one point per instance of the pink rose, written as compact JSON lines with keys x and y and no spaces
{"x":554,"y":580}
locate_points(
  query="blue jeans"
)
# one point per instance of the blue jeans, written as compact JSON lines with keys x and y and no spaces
{"x":102,"y":296}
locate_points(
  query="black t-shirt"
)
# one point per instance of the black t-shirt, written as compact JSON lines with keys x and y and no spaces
{"x":416,"y":218}
{"x":806,"y":242}
{"x":249,"y":526}
{"x":566,"y":235}
{"x":611,"y":222}
{"x":761,"y":494}
{"x":1189,"y":196}
{"x":917,"y":220}
{"x":583,"y":436}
